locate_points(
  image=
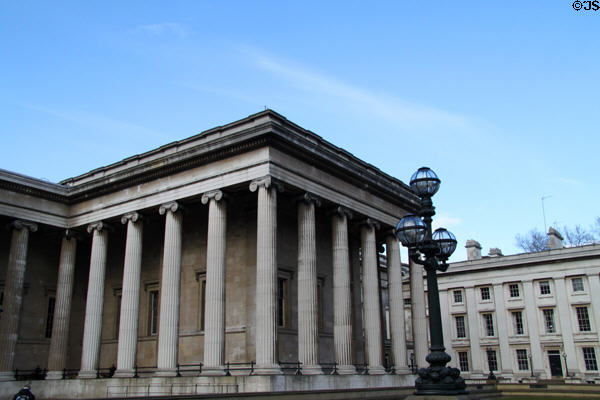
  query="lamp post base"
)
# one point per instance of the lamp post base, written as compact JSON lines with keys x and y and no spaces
{"x":438,"y":379}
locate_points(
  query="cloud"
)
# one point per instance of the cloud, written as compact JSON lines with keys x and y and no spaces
{"x":391,"y":108}
{"x":165,"y":28}
{"x":445,"y":221}
{"x":98,"y":122}
{"x":570,"y":181}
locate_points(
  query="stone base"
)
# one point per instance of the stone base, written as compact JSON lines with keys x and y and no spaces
{"x":7,"y":376}
{"x":124,"y":373}
{"x":377,"y":370}
{"x":442,"y":397}
{"x":165,"y":372}
{"x":273,"y":369}
{"x":346,"y":369}
{"x":311,"y":370}
{"x":54,"y":375}
{"x":213,"y":371}
{"x":89,"y":374}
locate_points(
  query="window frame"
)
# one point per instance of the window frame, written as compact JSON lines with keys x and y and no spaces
{"x":458,"y":292}
{"x":488,"y":291}
{"x":589,"y":358}
{"x":488,"y":324}
{"x":516,"y":321}
{"x":582,"y":322}
{"x":466,"y":361}
{"x":493,"y":362}
{"x":464,"y":326}
{"x":510,"y":291}
{"x":549,"y":328}
{"x":545,"y":285}
{"x":522,"y":358}
{"x":578,"y":279}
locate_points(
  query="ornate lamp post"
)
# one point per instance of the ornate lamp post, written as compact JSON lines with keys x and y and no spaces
{"x":431,"y":250}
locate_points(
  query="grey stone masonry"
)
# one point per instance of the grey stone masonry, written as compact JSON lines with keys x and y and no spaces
{"x":13,"y":295}
{"x":398,"y":334}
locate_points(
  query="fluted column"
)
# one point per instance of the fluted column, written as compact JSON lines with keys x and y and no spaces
{"x":57,"y":355}
{"x":418,"y":314}
{"x":308,"y":312}
{"x":214,"y":331}
{"x":371,"y":304}
{"x":342,"y":300}
{"x":92,"y":328}
{"x":130,"y":296}
{"x":266,"y":276}
{"x":396,"y":299}
{"x":13,"y":296}
{"x":168,"y":325}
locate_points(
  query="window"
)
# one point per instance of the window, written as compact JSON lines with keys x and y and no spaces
{"x":583,"y":319}
{"x":458,"y":297}
{"x":460,"y":326}
{"x":50,"y":316}
{"x":544,"y":287}
{"x":321,"y":313}
{"x":117,"y":313}
{"x":492,"y":360}
{"x":522,"y":361}
{"x":153,"y":312}
{"x":517,"y":317}
{"x":407,"y":301}
{"x":488,"y":324}
{"x":485,"y":293}
{"x":549,"y":320}
{"x":577,"y":284}
{"x":589,"y":357}
{"x":513,"y":290}
{"x":463,"y":361}
{"x":282,"y":302}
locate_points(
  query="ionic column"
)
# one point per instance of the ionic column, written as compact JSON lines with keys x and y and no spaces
{"x":266,"y":276}
{"x":396,"y":300}
{"x":13,"y":296}
{"x":534,"y":326}
{"x":342,"y":300}
{"x":371,"y":304}
{"x":418,"y":314}
{"x":168,"y":325}
{"x":214,"y":332}
{"x":57,"y":355}
{"x":92,"y":328}
{"x":308,"y":313}
{"x":130,"y":296}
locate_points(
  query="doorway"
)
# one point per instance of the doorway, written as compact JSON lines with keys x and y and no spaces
{"x":555,"y":364}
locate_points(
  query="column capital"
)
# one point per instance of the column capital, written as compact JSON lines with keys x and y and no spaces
{"x":309,"y":198}
{"x":98,"y":226}
{"x":266,"y":181}
{"x":342,"y":211}
{"x":370,"y":223}
{"x":172,"y":206}
{"x":217,"y":195}
{"x":132,"y":216}
{"x":71,"y":234}
{"x":20,"y":224}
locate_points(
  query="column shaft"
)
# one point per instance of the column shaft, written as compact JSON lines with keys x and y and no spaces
{"x":57,"y":355}
{"x":214,"y":332}
{"x":474,"y":324}
{"x":92,"y":328}
{"x":534,"y":327}
{"x":342,"y":300}
{"x":168,"y":325}
{"x":308,"y":313}
{"x":418,"y":314}
{"x":371,"y":304}
{"x":266,"y":277}
{"x":13,"y":296}
{"x":396,"y":299}
{"x":503,"y":322}
{"x":130,"y":297}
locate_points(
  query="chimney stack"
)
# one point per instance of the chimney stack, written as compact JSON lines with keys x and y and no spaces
{"x":495,"y":252}
{"x":555,"y":240}
{"x":473,"y":250}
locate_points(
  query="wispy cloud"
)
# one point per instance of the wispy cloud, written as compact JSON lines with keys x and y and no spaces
{"x":445,"y":221}
{"x":570,"y":181}
{"x":98,"y":122}
{"x":391,"y":108}
{"x":164,"y":28}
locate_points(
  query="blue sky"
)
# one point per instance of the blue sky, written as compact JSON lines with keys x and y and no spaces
{"x":501,"y":99}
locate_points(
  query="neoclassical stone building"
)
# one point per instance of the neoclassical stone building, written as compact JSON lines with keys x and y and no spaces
{"x":255,"y":244}
{"x":524,"y":316}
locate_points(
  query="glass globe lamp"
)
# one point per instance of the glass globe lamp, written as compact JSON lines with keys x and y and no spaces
{"x":445,"y":241}
{"x":411,"y":230}
{"x":424,"y":182}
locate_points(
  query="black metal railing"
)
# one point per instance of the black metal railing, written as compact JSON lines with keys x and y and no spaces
{"x":239,"y":366}
{"x":137,"y":370}
{"x":35,"y":374}
{"x":293,"y":367}
{"x":330,"y":368}
{"x":362,"y":369}
{"x":106,"y":372}
{"x":188,"y":368}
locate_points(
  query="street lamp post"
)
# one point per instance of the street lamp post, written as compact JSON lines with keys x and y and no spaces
{"x":431,"y":250}
{"x":531,"y":364}
{"x":564,"y":354}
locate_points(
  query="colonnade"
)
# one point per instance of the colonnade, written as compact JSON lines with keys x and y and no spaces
{"x":214,"y":335}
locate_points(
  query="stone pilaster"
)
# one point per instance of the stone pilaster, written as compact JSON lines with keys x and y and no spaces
{"x":92,"y":328}
{"x":308,"y":312}
{"x":57,"y":355}
{"x":214,"y":331}
{"x":371,"y":303}
{"x":475,"y":325}
{"x":396,"y":299}
{"x":503,"y":324}
{"x":534,"y":326}
{"x":13,"y":296}
{"x":342,"y":300}
{"x":418,"y":314}
{"x":266,"y":276}
{"x":168,"y":325}
{"x":130,"y":296}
